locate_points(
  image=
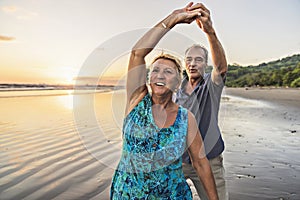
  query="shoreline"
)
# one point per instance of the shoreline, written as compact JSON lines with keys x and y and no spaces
{"x":283,"y":96}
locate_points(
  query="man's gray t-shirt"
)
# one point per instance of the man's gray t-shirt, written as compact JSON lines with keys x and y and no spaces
{"x":204,"y":103}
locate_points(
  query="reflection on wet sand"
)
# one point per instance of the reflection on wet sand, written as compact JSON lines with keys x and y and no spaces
{"x":47,"y":151}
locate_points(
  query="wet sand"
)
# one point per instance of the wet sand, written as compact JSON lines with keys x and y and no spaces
{"x":51,"y":148}
{"x":262,"y":137}
{"x":289,"y":97}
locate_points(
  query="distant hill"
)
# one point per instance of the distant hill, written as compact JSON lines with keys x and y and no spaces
{"x":283,"y":72}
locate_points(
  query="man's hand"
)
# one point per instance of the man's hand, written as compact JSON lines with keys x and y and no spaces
{"x":203,"y":20}
{"x":187,"y":14}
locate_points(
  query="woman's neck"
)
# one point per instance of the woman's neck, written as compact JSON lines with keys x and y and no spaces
{"x":165,"y":101}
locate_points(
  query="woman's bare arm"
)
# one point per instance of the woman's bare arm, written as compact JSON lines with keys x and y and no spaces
{"x":199,"y":160}
{"x":136,"y":76}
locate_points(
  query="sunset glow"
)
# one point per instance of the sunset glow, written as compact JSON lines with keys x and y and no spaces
{"x":48,"y":42}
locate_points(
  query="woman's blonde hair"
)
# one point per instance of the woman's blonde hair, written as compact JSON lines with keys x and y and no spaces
{"x":172,"y":58}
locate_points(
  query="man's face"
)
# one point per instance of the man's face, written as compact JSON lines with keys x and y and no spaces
{"x":195,"y":63}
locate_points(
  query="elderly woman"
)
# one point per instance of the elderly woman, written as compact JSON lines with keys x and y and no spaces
{"x":156,"y":131}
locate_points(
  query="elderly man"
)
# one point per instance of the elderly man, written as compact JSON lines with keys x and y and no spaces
{"x":200,"y":92}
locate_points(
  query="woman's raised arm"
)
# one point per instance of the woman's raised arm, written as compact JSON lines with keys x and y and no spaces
{"x":136,"y":75}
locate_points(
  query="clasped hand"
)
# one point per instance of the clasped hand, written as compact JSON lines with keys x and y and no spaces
{"x":194,"y":12}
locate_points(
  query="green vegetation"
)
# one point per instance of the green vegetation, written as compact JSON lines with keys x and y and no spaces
{"x":284,"y":72}
{"x":280,"y":73}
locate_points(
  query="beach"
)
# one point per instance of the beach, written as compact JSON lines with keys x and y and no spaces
{"x":261,"y":130}
{"x":67,"y":145}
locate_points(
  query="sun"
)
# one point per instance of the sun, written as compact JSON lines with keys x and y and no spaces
{"x":70,"y":80}
{"x":65,"y":75}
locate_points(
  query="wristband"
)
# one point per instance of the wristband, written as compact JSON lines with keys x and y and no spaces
{"x":164,"y":25}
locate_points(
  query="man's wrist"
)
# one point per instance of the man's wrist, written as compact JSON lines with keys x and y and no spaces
{"x":211,"y":32}
{"x":212,"y":36}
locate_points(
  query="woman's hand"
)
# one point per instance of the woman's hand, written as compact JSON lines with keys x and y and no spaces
{"x":187,"y":14}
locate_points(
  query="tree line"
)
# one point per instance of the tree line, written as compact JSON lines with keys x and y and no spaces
{"x":281,"y":73}
{"x":284,"y":72}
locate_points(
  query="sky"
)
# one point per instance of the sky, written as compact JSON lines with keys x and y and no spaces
{"x":51,"y":41}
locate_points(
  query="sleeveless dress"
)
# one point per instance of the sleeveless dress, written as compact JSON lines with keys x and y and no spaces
{"x":151,"y":165}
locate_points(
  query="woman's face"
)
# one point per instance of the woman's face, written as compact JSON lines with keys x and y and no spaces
{"x":164,"y":77}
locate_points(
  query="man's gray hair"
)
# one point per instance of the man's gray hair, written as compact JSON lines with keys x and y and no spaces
{"x":198,"y":46}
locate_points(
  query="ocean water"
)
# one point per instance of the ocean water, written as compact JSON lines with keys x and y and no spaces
{"x":42,"y":153}
{"x":61,"y":144}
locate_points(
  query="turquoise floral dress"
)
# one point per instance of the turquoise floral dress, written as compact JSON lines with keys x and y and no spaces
{"x":150,"y":164}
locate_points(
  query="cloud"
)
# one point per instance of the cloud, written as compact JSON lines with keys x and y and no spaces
{"x":18,"y":12}
{"x":6,"y":38}
{"x":27,"y":15}
{"x":9,"y":9}
{"x":86,"y":78}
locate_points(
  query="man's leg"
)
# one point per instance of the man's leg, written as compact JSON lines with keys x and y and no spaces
{"x":218,"y":170}
{"x":190,"y":173}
